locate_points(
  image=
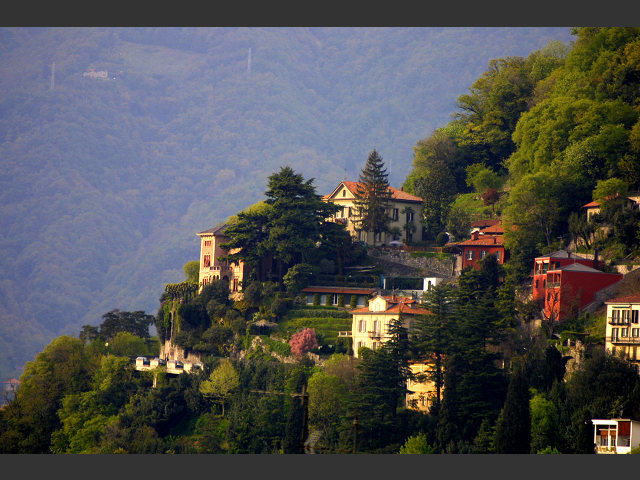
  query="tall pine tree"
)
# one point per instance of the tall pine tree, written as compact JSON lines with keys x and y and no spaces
{"x":373,"y":197}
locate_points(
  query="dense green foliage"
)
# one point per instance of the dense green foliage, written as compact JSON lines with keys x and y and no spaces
{"x":552,"y":131}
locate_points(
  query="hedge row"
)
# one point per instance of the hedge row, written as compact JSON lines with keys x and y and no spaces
{"x":317,"y":313}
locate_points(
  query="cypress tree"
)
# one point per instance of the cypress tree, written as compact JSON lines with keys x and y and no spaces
{"x":373,"y":197}
{"x":513,"y":432}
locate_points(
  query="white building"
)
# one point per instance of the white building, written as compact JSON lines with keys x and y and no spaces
{"x":615,"y":435}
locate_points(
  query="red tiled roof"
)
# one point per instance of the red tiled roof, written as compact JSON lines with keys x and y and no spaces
{"x":492,"y":230}
{"x":486,"y":223}
{"x":395,"y":308}
{"x":635,"y":298}
{"x":482,"y":241}
{"x":396,"y":193}
{"x":597,"y":204}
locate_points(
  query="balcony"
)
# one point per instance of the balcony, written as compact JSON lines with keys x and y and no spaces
{"x":344,"y":334}
{"x":374,"y":334}
{"x":624,"y":340}
{"x":618,"y":321}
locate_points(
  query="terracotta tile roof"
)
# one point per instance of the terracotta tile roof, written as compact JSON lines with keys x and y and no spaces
{"x":485,"y":223}
{"x":395,"y":308}
{"x":351,"y":290}
{"x":396,"y":193}
{"x":597,"y":204}
{"x":482,"y":241}
{"x":496,"y":229}
{"x":635,"y":298}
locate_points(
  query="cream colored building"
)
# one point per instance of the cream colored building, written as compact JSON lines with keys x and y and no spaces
{"x":623,"y":327}
{"x":211,"y":268}
{"x":422,"y":394}
{"x":370,"y":325}
{"x":405,"y":212}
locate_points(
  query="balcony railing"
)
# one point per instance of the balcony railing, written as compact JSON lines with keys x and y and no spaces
{"x":374,"y":334}
{"x":618,"y":321}
{"x":344,"y":333}
{"x":625,"y":340}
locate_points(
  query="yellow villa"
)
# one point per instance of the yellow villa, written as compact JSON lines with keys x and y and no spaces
{"x":370,"y":325}
{"x":405,"y":213}
{"x":623,"y":327}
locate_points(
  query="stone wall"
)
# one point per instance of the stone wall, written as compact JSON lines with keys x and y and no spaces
{"x":169,"y":351}
{"x":399,"y":262}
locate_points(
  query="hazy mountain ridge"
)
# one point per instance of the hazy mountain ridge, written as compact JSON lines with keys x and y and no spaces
{"x":105,"y":182}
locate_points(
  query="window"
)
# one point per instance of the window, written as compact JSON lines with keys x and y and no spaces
{"x":378,"y":237}
{"x":374,"y":345}
{"x":350,"y":212}
{"x":207,"y":243}
{"x":469,"y":254}
{"x":614,"y":334}
{"x":635,"y":332}
{"x":362,"y":324}
{"x":615,"y":316}
{"x":344,"y":193}
{"x":376,"y":326}
{"x":634,"y":316}
{"x":409,"y":216}
{"x":206,"y":263}
{"x":624,"y":332}
{"x":395,"y":214}
{"x":499,"y":255}
{"x":536,"y":283}
{"x":625,"y":316}
{"x":335,"y":298}
{"x":483,"y":253}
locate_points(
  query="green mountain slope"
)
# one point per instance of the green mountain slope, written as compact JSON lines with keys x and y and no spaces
{"x":104,"y":182}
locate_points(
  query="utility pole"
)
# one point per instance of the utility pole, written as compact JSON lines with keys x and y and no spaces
{"x":304,"y":397}
{"x":53,"y":76}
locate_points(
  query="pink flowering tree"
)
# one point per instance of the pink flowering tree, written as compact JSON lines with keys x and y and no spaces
{"x":303,"y":342}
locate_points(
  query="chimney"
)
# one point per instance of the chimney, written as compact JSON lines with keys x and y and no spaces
{"x":474,"y":235}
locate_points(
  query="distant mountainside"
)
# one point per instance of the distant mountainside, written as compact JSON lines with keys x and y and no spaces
{"x":106,"y":177}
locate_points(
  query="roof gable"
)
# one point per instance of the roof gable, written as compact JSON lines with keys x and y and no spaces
{"x":352,"y":189}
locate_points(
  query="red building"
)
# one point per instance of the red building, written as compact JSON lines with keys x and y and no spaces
{"x":566,"y":283}
{"x":483,"y":242}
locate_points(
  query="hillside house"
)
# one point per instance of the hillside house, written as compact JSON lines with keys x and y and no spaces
{"x":615,"y":435}
{"x":623,"y":328}
{"x":370,"y":325}
{"x":211,"y":268}
{"x":487,"y":238}
{"x":593,"y":208}
{"x":565,"y":283}
{"x":421,"y":394}
{"x":362,"y":295}
{"x":405,"y":212}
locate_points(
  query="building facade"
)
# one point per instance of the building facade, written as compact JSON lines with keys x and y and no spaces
{"x":565,"y":283}
{"x":211,"y":267}
{"x":615,"y":435}
{"x":404,"y":211}
{"x":370,"y":325}
{"x":488,"y":240}
{"x":623,"y":328}
{"x":334,"y":296}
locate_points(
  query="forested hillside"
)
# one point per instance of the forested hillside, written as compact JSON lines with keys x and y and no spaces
{"x":104,"y":182}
